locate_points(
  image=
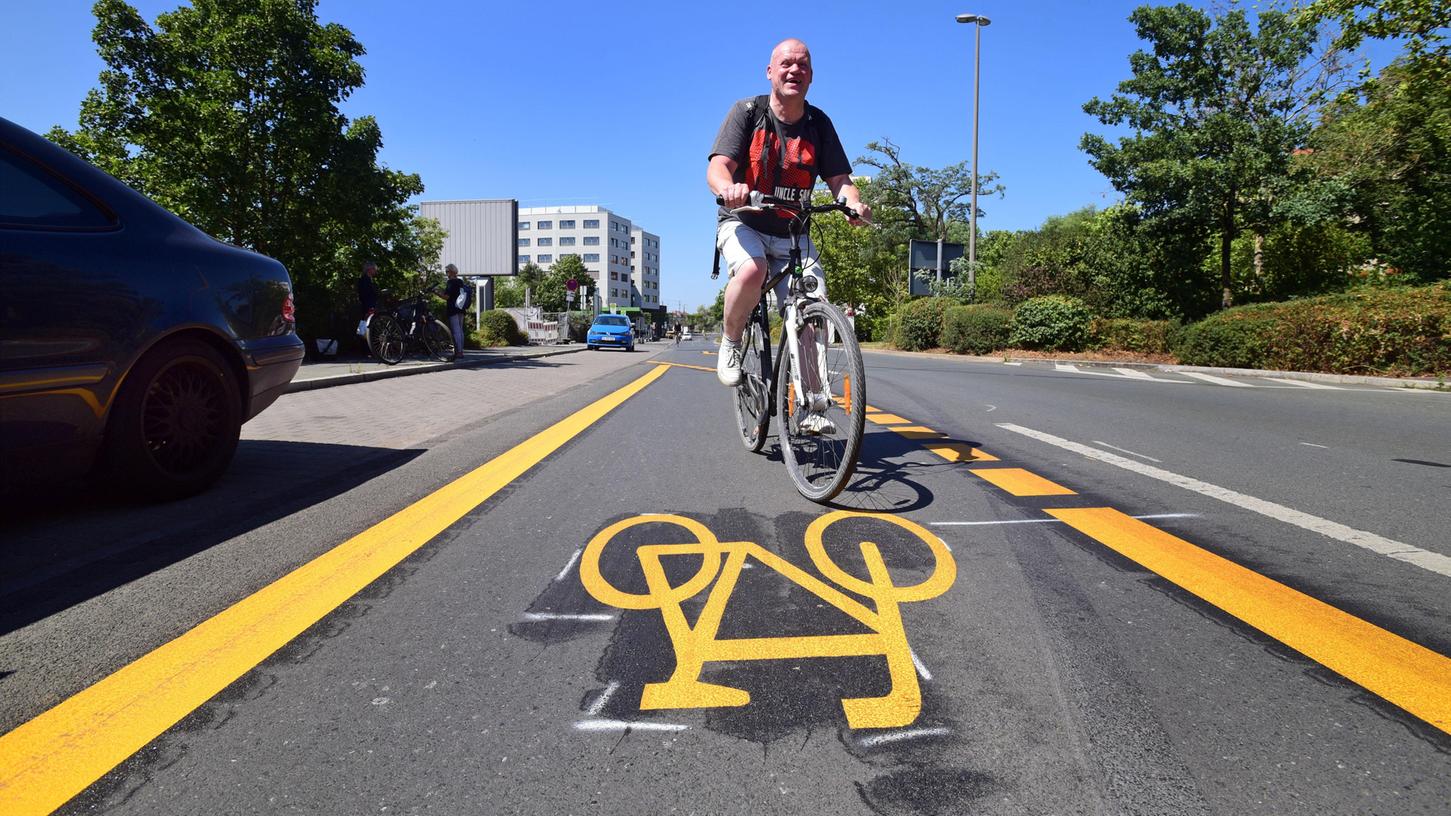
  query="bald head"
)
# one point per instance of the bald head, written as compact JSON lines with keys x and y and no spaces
{"x":790,"y":74}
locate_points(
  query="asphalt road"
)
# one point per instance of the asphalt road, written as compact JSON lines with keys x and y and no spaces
{"x":530,"y":588}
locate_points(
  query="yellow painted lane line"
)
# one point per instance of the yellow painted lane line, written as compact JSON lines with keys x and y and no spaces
{"x":1406,"y":674}
{"x":918,"y":432}
{"x":959,"y":452}
{"x":663,"y":364}
{"x":55,"y":756}
{"x":1020,"y":482}
{"x":887,"y":419}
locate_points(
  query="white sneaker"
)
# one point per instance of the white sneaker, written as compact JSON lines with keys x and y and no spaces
{"x":728,"y":364}
{"x":816,"y":423}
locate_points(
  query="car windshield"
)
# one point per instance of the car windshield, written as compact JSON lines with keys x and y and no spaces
{"x":611,"y":321}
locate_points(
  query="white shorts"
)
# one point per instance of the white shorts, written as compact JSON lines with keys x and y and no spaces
{"x":739,"y":243}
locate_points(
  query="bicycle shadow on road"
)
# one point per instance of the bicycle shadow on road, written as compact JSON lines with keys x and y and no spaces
{"x":885,"y":479}
{"x":75,"y":542}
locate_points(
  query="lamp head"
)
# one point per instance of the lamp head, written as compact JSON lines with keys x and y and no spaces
{"x":973,"y":18}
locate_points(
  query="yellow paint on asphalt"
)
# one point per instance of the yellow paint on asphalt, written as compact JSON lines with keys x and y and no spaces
{"x":1403,"y":673}
{"x":696,"y":645}
{"x":664,"y":364}
{"x":1020,"y":482}
{"x":918,"y":432}
{"x":959,"y":452}
{"x":48,"y":760}
{"x":881,"y":418}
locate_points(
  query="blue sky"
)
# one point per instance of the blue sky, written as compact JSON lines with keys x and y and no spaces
{"x":566,"y":102}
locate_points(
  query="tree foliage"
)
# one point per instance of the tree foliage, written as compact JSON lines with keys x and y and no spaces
{"x":226,"y":112}
{"x":1216,"y":108}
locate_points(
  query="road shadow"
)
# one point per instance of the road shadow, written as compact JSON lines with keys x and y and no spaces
{"x":76,"y":541}
{"x":886,"y":479}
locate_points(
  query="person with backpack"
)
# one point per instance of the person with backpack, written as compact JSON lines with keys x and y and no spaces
{"x":776,"y":144}
{"x":457,"y":294}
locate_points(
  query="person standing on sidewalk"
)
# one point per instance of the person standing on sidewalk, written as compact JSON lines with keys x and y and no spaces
{"x":457,"y":299}
{"x":367,"y":298}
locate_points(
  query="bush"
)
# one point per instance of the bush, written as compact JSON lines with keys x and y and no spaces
{"x":977,"y":329}
{"x":919,"y":323}
{"x":497,"y":328}
{"x":1052,"y":323}
{"x":1372,"y":330}
{"x":1127,"y":334}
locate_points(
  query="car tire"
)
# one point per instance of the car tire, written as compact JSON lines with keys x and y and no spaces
{"x":175,"y":424}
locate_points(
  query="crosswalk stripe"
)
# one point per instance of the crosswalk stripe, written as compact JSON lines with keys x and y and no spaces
{"x":1301,"y":383}
{"x":1210,"y":378}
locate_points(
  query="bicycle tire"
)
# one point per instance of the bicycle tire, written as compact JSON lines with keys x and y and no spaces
{"x":385,"y":338}
{"x":821,"y":464}
{"x":752,"y":397}
{"x":438,"y":341}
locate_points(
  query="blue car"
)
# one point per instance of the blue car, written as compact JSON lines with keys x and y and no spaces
{"x":611,"y":330}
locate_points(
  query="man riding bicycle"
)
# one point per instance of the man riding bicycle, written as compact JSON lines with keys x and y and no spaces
{"x":777,"y":145}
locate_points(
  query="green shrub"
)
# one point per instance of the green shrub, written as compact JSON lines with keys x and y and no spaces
{"x":976,"y":329}
{"x":919,"y":323}
{"x":884,"y":328}
{"x":1052,"y":323}
{"x":1127,"y":334}
{"x":1372,"y":330}
{"x":497,"y":328}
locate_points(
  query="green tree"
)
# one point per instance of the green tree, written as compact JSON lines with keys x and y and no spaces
{"x":1216,"y":108}
{"x":227,"y":113}
{"x":550,"y":294}
{"x":1422,"y":23}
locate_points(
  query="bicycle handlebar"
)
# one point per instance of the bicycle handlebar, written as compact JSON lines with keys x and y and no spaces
{"x":761,"y":201}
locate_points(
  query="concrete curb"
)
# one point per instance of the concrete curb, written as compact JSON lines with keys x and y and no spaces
{"x":405,"y":370}
{"x":1427,"y":383}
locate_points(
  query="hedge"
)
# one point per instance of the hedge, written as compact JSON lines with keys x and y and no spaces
{"x":976,"y":329}
{"x":919,"y":323}
{"x":1127,"y":334}
{"x":497,"y":328}
{"x":1371,"y":330}
{"x":1052,"y":323}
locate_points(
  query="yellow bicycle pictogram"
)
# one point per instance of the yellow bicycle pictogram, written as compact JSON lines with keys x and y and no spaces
{"x":696,"y":645}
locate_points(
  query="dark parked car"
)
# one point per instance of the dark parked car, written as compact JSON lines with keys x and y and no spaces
{"x":132,"y":344}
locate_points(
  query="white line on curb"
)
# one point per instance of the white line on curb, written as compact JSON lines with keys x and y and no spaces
{"x":1425,"y":559}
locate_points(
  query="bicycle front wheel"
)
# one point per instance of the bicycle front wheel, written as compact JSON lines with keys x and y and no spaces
{"x":385,"y":338}
{"x":752,"y":397}
{"x":438,"y":340}
{"x":821,"y":398}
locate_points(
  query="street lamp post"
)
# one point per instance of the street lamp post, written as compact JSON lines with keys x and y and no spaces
{"x":978,"y":22}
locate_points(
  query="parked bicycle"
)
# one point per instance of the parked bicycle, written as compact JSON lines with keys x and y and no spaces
{"x":818,"y":373}
{"x":411,"y":323}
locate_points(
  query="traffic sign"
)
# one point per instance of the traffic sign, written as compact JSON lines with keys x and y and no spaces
{"x":571,"y":284}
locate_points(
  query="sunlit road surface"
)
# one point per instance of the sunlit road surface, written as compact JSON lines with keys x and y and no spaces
{"x":565,"y":587}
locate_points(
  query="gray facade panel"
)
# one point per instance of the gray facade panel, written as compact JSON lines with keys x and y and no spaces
{"x":482,"y":234}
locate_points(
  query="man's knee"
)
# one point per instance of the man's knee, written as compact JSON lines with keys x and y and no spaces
{"x":751,"y":272}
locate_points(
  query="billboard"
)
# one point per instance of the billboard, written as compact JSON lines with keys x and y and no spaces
{"x":922,"y":257}
{"x":483,"y":234}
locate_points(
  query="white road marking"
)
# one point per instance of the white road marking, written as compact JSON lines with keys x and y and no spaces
{"x":990,"y":408}
{"x":1125,"y":450}
{"x":1313,"y":445}
{"x":599,"y":704}
{"x":1301,"y":383}
{"x":570,"y":565}
{"x":1133,"y":373}
{"x":921,"y":669}
{"x":546,"y":616}
{"x":1047,"y":521}
{"x":1069,"y":367}
{"x":1425,"y":559}
{"x":1210,"y":378}
{"x":911,"y":733}
{"x":1012,"y":364}
{"x":621,"y":725}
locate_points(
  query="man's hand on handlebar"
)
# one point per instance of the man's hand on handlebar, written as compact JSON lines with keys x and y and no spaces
{"x":736,"y":196}
{"x":863,"y":216}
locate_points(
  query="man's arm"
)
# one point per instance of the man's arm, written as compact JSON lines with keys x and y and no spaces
{"x":841,"y":186}
{"x":720,"y":177}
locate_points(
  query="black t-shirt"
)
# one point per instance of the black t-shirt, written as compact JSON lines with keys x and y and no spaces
{"x":367,"y":293}
{"x":753,"y":136}
{"x":450,"y":294}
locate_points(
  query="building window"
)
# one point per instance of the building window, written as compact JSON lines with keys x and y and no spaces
{"x":591,"y":223}
{"x":523,"y":225}
{"x":566,"y":241}
{"x":591,"y":257}
{"x":523,"y":242}
{"x":569,"y":224}
{"x":523,"y":259}
{"x":591,"y":240}
{"x":546,"y":258}
{"x":546,"y":225}
{"x":543,"y":241}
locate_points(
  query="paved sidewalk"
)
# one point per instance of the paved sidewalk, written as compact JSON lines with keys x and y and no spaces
{"x":324,"y":374}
